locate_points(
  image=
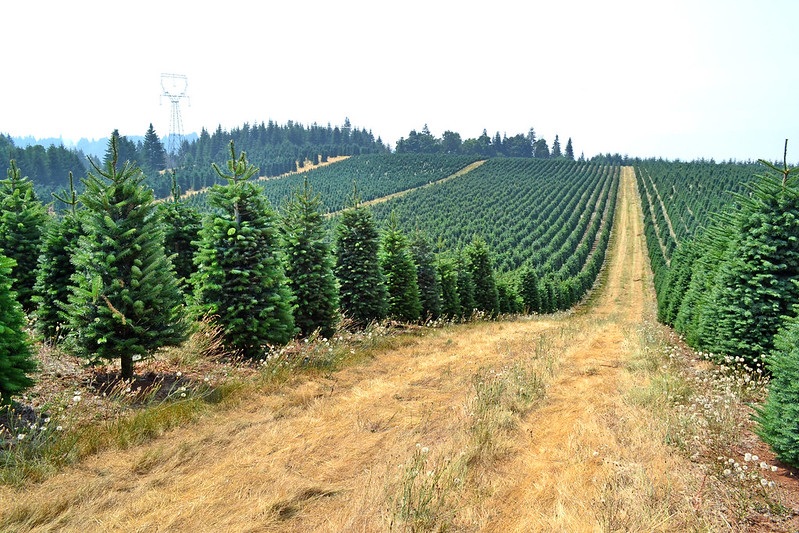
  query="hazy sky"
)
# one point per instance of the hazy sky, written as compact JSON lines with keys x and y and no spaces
{"x":673,"y":79}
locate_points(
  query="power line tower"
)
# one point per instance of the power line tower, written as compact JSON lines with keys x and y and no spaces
{"x":174,"y":87}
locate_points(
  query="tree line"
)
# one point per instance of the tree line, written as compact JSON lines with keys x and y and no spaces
{"x":519,"y":145}
{"x":731,"y":290}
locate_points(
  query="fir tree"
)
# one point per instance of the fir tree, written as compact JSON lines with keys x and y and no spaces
{"x":569,"y":151}
{"x":485,"y":288}
{"x":778,"y":418}
{"x":55,"y":268}
{"x":755,"y":287}
{"x":465,"y":287}
{"x":556,"y":148}
{"x":22,"y":219}
{"x":182,"y":224}
{"x":153,"y":152}
{"x":125,"y":301}
{"x":426,"y":277}
{"x":362,"y":290}
{"x":529,"y":290}
{"x":448,"y":275}
{"x":310,"y":263}
{"x":399,"y":271}
{"x":16,"y":359}
{"x":240,"y":276}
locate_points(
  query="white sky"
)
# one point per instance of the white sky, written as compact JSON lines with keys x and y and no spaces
{"x":677,"y":79}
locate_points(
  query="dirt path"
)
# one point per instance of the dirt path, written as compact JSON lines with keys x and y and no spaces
{"x":333,"y":453}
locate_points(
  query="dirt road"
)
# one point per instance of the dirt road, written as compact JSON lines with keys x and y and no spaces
{"x":336,"y":453}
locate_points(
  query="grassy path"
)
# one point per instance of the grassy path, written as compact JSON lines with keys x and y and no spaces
{"x":508,"y":426}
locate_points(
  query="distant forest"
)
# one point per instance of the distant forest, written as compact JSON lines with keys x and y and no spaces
{"x":275,"y":149}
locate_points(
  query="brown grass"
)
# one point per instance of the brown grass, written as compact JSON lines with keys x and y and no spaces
{"x":522,"y":425}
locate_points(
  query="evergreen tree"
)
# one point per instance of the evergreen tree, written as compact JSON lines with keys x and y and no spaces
{"x":569,"y":152}
{"x":778,"y":418}
{"x":55,"y":268}
{"x":310,"y":263}
{"x":16,"y":359}
{"x":478,"y":258}
{"x":240,"y":274}
{"x":755,"y":288}
{"x":541,"y":149}
{"x":182,"y":225}
{"x":362,"y":290}
{"x":152,"y":152}
{"x":22,"y":219}
{"x":556,"y":148}
{"x":448,"y":275}
{"x":125,"y":300}
{"x":399,"y":272}
{"x":465,"y":287}
{"x":426,"y":277}
{"x":529,"y":290}
{"x":121,"y":148}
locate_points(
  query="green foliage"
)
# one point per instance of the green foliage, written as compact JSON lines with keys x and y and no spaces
{"x":153,"y":154}
{"x":426,"y":276}
{"x":400,"y":275}
{"x":310,"y":263}
{"x":240,"y":274}
{"x":450,"y":299}
{"x":55,"y":269}
{"x":478,"y":261}
{"x":529,"y":290}
{"x":362,"y":290}
{"x":756,"y":288}
{"x":125,"y":300}
{"x":22,"y":218}
{"x":16,"y":359}
{"x":778,"y":418}
{"x":182,"y":224}
{"x":465,"y":286}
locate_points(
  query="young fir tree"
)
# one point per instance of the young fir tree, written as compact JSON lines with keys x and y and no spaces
{"x":55,"y":268}
{"x":529,"y":290}
{"x":182,"y":224}
{"x":485,"y":288}
{"x":426,"y":277}
{"x":362,"y":290}
{"x":399,"y":271}
{"x":448,"y":275}
{"x":16,"y":359}
{"x":240,"y":276}
{"x":755,"y":287}
{"x":310,"y":263}
{"x":125,"y":300}
{"x":778,"y":418}
{"x":465,"y":287}
{"x":22,"y":220}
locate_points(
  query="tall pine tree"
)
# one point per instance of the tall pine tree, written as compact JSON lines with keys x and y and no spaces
{"x":125,"y":300}
{"x":240,"y":276}
{"x":310,"y":263}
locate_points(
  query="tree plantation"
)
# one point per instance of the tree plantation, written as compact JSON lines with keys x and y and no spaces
{"x":261,"y":248}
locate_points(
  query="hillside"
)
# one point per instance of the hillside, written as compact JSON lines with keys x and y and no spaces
{"x":549,"y":423}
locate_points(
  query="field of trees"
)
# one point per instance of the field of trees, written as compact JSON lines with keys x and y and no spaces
{"x":303,"y":272}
